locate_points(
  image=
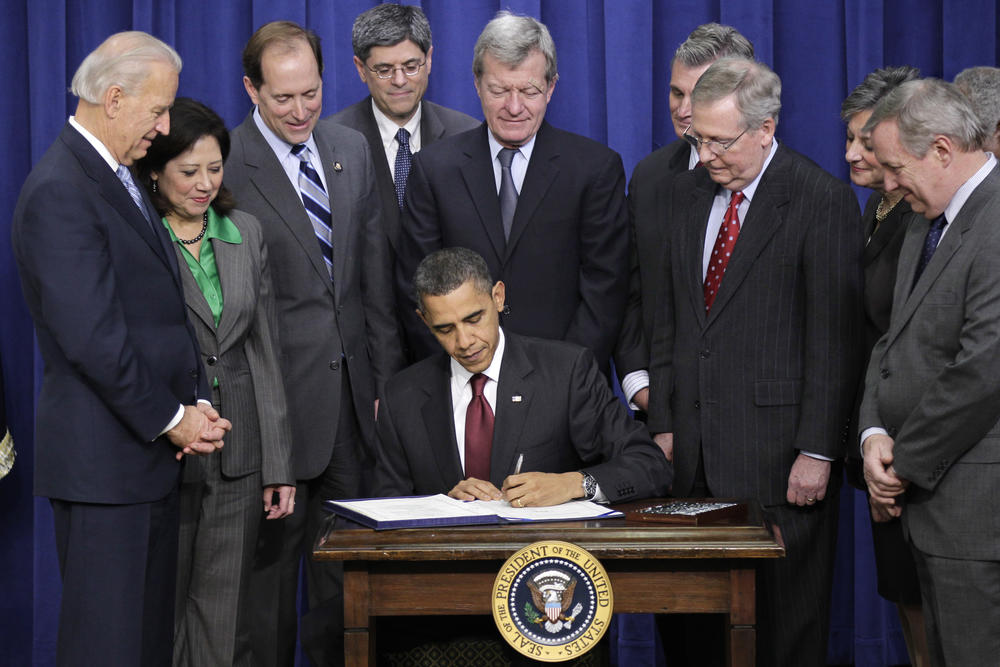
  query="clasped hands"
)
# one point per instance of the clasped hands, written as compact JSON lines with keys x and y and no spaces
{"x":527,"y":489}
{"x":200,"y":431}
{"x":884,"y":485}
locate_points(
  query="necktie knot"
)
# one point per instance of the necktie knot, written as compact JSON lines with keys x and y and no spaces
{"x":478,"y":382}
{"x":299,"y":151}
{"x":506,"y":156}
{"x":403,"y":137}
{"x":736,"y":199}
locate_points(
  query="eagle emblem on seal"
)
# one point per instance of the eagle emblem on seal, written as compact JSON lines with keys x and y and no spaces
{"x":552,"y":595}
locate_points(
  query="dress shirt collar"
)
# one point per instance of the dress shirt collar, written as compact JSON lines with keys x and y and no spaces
{"x":282,"y":149}
{"x":96,"y":143}
{"x":692,"y":157}
{"x":387,"y":128}
{"x":963,"y":193}
{"x":460,"y":377}
{"x":749,"y":190}
{"x":525,"y":149}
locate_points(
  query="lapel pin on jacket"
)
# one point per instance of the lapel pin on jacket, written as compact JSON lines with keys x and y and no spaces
{"x":337,"y":167}
{"x":515,"y":399}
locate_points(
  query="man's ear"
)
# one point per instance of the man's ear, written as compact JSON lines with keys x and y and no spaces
{"x":499,"y":295}
{"x":114,"y":96}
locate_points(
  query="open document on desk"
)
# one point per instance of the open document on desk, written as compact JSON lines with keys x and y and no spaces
{"x":442,"y":510}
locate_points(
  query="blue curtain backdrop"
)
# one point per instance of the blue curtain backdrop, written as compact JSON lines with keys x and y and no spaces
{"x":614,"y":67}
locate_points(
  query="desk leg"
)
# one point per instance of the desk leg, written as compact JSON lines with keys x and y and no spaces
{"x":359,"y":637}
{"x":741,"y":640}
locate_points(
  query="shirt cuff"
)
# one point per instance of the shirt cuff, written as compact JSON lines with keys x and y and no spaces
{"x":874,"y":430}
{"x":633,"y":383}
{"x":814,"y":455}
{"x":175,"y":421}
{"x":599,"y":496}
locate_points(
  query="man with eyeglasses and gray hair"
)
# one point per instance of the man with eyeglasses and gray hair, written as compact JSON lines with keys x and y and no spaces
{"x":706,"y":44}
{"x":544,"y":207}
{"x":392,"y":53}
{"x":982,"y":86}
{"x":754,"y":351}
{"x":930,"y":417}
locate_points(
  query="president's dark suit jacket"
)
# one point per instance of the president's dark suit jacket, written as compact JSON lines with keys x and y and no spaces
{"x":773,"y":369}
{"x":105,"y":294}
{"x":552,"y":406}
{"x":932,"y":382}
{"x":323,"y":325}
{"x":648,"y":195}
{"x":436,"y":122}
{"x":566,"y":263}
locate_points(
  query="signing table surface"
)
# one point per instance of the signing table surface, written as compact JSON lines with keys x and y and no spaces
{"x":653,"y":568}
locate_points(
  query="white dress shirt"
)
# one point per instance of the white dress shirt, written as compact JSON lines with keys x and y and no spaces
{"x":387,"y":130}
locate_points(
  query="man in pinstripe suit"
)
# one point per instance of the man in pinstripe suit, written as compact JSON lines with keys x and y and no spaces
{"x":753,"y":361}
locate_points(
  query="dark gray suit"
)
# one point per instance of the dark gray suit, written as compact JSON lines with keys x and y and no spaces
{"x":932,"y":384}
{"x":566,"y":262}
{"x":221,"y":493}
{"x":770,"y":372}
{"x":566,"y":419}
{"x":339,"y":342}
{"x":436,"y":122}
{"x":648,"y":195}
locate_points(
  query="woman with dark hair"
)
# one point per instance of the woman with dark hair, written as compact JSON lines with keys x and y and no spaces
{"x":885,"y":220}
{"x":227,"y":288}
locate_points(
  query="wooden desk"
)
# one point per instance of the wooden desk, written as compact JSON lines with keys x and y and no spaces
{"x":654,"y":568}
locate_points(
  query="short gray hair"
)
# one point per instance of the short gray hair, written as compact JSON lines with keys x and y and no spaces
{"x":510,"y":38}
{"x":444,"y":271}
{"x":123,"y":59}
{"x":926,"y":108}
{"x":874,"y":87}
{"x":709,"y":42}
{"x":756,"y":86}
{"x":387,"y":25}
{"x":982,"y":86}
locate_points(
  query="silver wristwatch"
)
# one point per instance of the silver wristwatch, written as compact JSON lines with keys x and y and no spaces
{"x":589,"y":486}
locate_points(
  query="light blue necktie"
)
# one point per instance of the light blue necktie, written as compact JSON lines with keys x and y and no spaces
{"x":125,"y":176}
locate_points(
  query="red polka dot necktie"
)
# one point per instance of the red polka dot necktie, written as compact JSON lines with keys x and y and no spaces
{"x":723,"y":249}
{"x":478,"y":431}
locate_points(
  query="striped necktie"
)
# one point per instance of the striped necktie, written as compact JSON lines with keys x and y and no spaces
{"x":125,"y":176}
{"x":317,"y":204}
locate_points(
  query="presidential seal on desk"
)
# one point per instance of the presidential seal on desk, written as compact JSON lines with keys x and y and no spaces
{"x":552,"y":601}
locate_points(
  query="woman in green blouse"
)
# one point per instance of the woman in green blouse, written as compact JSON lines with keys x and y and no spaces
{"x":227,"y":288}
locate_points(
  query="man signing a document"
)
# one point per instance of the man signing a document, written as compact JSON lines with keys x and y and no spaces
{"x":501,"y":416}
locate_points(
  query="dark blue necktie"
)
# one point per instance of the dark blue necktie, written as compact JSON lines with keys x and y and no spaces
{"x":930,"y":245}
{"x":402,"y":171}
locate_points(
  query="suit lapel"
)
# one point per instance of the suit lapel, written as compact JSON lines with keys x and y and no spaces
{"x":235,"y":276}
{"x":341,"y":203}
{"x":542,"y":170}
{"x":439,"y":422}
{"x":514,"y":395}
{"x":693,"y":241}
{"x":763,"y":219}
{"x":193,"y":296}
{"x":268,"y":176}
{"x":431,"y":127}
{"x":477,"y":173}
